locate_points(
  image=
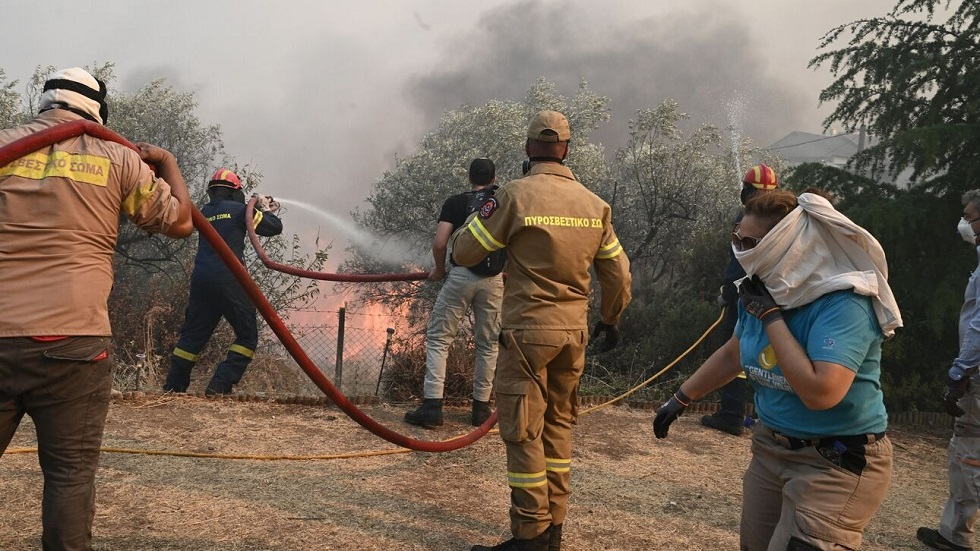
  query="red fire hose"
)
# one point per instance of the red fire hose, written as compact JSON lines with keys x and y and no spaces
{"x":55,"y":134}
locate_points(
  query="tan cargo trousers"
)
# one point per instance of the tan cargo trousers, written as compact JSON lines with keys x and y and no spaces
{"x":801,"y":499}
{"x":537,"y":380}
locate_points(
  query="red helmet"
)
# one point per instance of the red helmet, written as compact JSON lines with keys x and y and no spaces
{"x":761,"y":176}
{"x":225,"y":178}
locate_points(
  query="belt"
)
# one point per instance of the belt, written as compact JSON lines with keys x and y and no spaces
{"x":848,"y":441}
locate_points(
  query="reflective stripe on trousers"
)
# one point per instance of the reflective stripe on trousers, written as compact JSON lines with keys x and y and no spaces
{"x":537,"y":381}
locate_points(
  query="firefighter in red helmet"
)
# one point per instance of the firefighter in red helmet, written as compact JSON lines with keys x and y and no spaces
{"x":215,"y":293}
{"x":758,"y":178}
{"x":730,"y":416}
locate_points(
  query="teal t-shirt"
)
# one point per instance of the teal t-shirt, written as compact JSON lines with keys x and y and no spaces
{"x":839,"y":327}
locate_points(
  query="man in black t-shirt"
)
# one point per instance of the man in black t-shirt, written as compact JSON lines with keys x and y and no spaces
{"x":480,"y":288}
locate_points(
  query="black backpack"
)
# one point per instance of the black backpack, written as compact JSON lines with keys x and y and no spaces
{"x":494,"y":262}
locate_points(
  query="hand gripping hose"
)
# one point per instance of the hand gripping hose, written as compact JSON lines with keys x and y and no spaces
{"x":61,"y":132}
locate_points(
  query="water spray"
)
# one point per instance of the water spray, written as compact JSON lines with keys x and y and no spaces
{"x":322,"y":276}
{"x":735,"y":108}
{"x":358,"y":236}
{"x":372,"y":244}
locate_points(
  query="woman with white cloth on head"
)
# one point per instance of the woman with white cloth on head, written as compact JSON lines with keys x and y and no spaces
{"x":814,"y":311}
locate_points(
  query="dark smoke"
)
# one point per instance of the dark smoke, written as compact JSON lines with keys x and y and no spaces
{"x":701,"y":60}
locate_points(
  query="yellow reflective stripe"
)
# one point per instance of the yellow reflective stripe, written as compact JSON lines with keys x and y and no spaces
{"x":558,"y":465}
{"x":180,"y":353}
{"x":247,"y":352}
{"x":526,"y":480}
{"x":139,"y":196}
{"x":611,"y":250}
{"x":80,"y":167}
{"x":481,"y":234}
{"x":256,"y":218}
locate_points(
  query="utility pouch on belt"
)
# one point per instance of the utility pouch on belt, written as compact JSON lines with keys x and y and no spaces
{"x":491,"y":265}
{"x":78,"y":349}
{"x":849,"y":458}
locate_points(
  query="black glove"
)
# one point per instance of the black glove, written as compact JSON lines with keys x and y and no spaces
{"x":611,"y":332}
{"x":954,"y":391}
{"x":669,"y":412}
{"x":757,"y":301}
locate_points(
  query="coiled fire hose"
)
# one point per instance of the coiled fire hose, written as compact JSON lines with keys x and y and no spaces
{"x":61,"y":132}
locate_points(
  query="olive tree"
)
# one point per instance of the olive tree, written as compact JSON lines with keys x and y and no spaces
{"x":404,"y":204}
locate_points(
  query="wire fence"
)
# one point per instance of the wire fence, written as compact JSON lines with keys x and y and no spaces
{"x":350,"y":350}
{"x":364,"y":354}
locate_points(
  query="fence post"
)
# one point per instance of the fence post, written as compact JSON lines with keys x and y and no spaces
{"x":339,"y":369}
{"x":384,"y":356}
{"x":140,"y":364}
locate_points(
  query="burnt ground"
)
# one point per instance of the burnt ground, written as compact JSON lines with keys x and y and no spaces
{"x":630,"y":492}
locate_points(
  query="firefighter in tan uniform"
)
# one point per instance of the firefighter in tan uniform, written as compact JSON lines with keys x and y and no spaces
{"x":59,"y":220}
{"x":554,"y":229}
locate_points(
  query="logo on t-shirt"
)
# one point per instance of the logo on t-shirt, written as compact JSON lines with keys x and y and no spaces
{"x":767,"y":358}
{"x":828,"y":343}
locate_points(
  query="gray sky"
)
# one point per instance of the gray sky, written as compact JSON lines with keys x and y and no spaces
{"x":323,"y":96}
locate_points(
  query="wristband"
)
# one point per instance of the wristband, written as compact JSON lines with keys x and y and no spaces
{"x":682,"y":398}
{"x":771,"y":315}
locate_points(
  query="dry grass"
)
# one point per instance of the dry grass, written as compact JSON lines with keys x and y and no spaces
{"x":630,"y":492}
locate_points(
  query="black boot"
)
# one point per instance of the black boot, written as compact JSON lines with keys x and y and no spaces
{"x":481,"y":412}
{"x":554,"y":541}
{"x":428,"y":415}
{"x":540,"y":543}
{"x":932,"y":538}
{"x":724,"y":423}
{"x":212,"y":391}
{"x":179,"y":375}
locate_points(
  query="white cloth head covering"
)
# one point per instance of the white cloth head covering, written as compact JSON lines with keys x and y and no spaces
{"x":77,"y":89}
{"x":816,"y":250}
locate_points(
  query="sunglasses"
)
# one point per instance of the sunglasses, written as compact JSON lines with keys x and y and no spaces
{"x":743,"y":243}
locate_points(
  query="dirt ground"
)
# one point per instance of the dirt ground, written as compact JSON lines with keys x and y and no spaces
{"x":630,"y":492}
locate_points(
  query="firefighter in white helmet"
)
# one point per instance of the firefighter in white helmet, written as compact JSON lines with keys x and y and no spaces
{"x":59,"y":221}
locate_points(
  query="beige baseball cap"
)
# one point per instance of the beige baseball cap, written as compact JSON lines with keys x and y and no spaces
{"x":549,"y":126}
